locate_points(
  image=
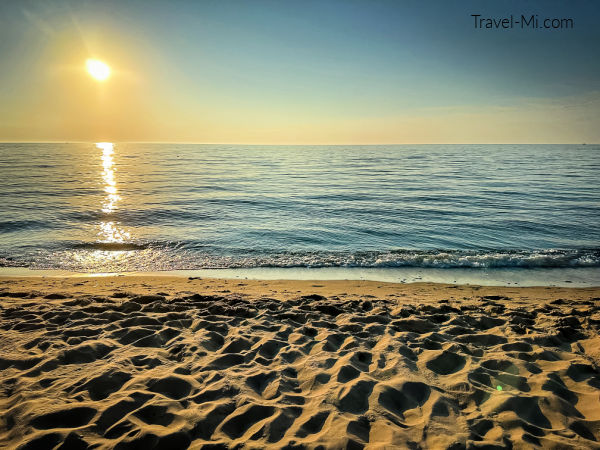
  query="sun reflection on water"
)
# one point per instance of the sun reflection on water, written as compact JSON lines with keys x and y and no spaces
{"x":112,"y":233}
{"x":108,"y":176}
{"x":109,"y":230}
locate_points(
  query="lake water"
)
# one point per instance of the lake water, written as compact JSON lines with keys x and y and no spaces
{"x":151,"y":207}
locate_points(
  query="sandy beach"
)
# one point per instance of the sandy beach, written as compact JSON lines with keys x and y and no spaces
{"x":173,"y":362}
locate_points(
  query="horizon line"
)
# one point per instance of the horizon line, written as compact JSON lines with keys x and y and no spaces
{"x":290,"y":144}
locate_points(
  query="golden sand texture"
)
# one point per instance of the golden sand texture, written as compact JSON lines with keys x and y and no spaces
{"x":167,"y":362}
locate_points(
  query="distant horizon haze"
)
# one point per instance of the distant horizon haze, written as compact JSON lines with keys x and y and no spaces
{"x":283,"y":144}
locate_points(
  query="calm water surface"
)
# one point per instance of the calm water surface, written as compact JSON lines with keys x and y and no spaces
{"x":122,"y":207}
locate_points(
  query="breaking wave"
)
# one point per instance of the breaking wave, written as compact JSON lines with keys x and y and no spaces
{"x":94,"y":257}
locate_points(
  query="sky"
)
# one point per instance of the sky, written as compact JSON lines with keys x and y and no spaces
{"x":298,"y":72}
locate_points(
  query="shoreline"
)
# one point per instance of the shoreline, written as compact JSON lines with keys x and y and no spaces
{"x":560,"y":277}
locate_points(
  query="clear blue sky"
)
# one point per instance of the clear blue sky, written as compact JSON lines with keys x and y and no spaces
{"x":298,"y":72}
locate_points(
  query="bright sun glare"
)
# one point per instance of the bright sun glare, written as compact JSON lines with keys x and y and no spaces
{"x":97,"y":69}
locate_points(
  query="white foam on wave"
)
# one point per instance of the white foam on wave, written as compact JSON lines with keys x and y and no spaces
{"x":161,"y":258}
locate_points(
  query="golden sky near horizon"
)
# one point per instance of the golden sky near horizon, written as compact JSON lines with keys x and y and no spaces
{"x":212,"y":75}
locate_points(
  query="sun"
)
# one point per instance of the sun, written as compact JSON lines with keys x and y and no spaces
{"x":97,"y":69}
